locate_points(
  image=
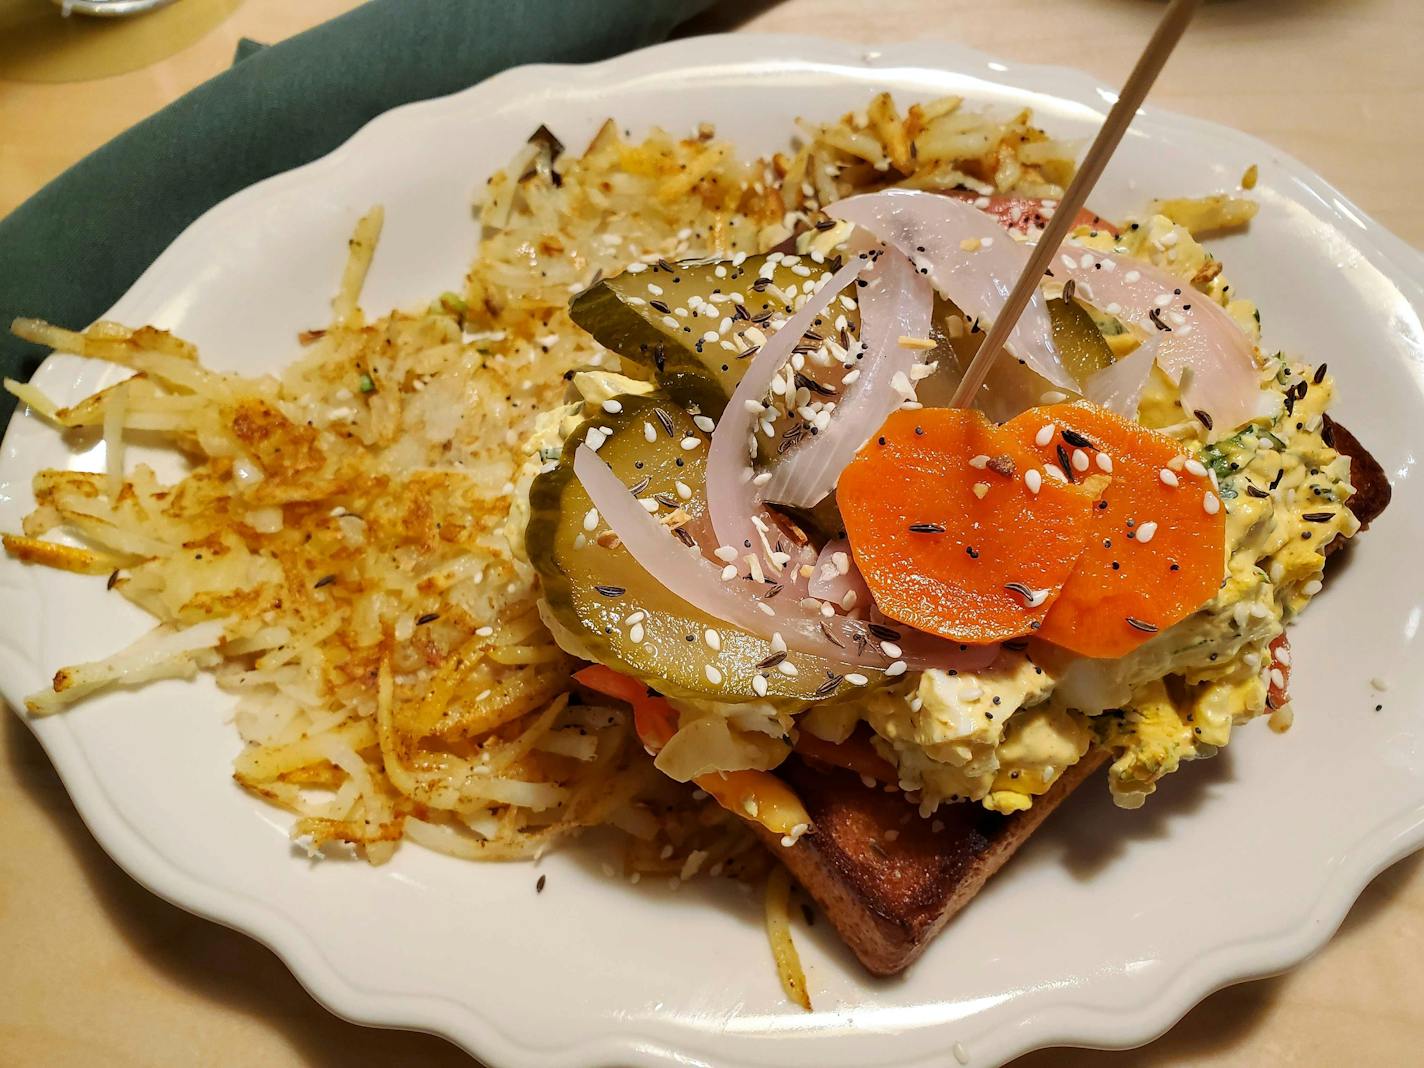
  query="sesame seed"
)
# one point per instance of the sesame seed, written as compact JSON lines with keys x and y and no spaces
{"x":635,"y":634}
{"x":759,"y":685}
{"x":895,"y":669}
{"x":1211,"y":503}
{"x":649,"y":505}
{"x":689,"y":443}
{"x":636,"y":617}
{"x":725,"y":553}
{"x":713,"y":675}
{"x":856,"y":679}
{"x":590,"y":520}
{"x":1080,"y":460}
{"x":1196,"y":468}
{"x":612,"y":407}
{"x":649,"y":434}
{"x":1311,"y":588}
{"x":891,"y":650}
{"x":1168,"y":476}
{"x":704,"y":423}
{"x":787,"y":668}
{"x":907,"y":342}
{"x":1033,"y":480}
{"x":766,"y":608}
{"x":1105,"y":463}
{"x":1146,"y":532}
{"x":683,"y":490}
{"x":1045,"y":435}
{"x":1056,"y":474}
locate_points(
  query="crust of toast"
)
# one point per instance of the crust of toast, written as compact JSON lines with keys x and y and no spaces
{"x":889,"y":894}
{"x":1372,"y":488}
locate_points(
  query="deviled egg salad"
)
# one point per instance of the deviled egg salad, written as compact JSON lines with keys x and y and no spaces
{"x":757,"y":511}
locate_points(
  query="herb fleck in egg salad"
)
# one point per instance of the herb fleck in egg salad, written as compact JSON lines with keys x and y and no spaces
{"x":767,"y":531}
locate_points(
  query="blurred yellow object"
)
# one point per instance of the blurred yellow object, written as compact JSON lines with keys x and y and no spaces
{"x":38,"y":43}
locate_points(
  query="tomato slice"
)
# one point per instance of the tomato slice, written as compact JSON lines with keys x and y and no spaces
{"x":1278,"y":695}
{"x":1021,"y":213}
{"x":854,"y":754}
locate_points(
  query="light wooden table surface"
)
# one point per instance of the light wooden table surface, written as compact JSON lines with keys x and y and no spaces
{"x":95,"y":970}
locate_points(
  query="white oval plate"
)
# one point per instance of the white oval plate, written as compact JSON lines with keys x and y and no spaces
{"x":1106,"y":929}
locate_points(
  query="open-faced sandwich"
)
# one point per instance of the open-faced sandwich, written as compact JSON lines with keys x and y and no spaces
{"x":705,"y":554}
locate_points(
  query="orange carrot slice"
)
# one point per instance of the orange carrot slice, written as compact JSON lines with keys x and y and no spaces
{"x":1158,"y":550}
{"x":957,"y":530}
{"x":756,"y":795}
{"x":653,"y":718}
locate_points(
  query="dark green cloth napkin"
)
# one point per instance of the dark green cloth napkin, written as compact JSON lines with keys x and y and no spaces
{"x":77,"y":245}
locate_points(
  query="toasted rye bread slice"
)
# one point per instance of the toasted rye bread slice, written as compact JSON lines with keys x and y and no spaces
{"x":1372,"y":489}
{"x":888,"y":894}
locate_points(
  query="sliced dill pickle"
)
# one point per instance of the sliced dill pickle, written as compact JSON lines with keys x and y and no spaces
{"x":636,"y":315}
{"x":1078,"y":338}
{"x":1010,"y":382}
{"x":621,"y":614}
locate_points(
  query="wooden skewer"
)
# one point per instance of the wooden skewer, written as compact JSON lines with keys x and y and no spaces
{"x":1169,"y":32}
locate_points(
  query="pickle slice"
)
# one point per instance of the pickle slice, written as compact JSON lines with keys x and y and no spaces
{"x":1079,"y":341}
{"x":624,"y":617}
{"x":637,"y":315}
